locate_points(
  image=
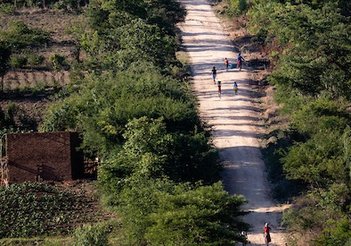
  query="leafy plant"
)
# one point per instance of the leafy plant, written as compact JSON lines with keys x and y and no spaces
{"x":34,"y":59}
{"x":18,"y":61}
{"x":18,"y":36}
{"x":58,"y":62}
{"x":32,"y":209}
{"x":91,"y":235}
{"x":7,"y":8}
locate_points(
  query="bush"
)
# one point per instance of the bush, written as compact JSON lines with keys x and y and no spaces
{"x":35,"y":60}
{"x":205,"y":215}
{"x":336,"y":233}
{"x":237,"y":7}
{"x":7,"y":8}
{"x":18,"y":36}
{"x":58,"y":62}
{"x":88,"y":235}
{"x":18,"y":61}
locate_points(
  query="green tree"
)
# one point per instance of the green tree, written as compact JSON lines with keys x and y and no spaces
{"x":206,"y":215}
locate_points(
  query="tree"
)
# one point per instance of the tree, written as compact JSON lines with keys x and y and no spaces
{"x":204,"y":215}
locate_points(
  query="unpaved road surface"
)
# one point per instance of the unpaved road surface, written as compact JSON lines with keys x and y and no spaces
{"x":234,"y":118}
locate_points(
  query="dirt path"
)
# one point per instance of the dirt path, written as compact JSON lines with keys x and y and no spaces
{"x":235,"y":118}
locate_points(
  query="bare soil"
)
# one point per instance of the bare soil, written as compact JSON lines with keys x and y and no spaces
{"x":236,"y":119}
{"x":57,"y":23}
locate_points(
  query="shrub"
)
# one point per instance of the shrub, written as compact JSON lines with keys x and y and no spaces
{"x":337,"y":232}
{"x":7,"y":8}
{"x":18,"y":36}
{"x":58,"y":62}
{"x":88,"y":235}
{"x":35,"y":60}
{"x":237,"y":7}
{"x":18,"y":61}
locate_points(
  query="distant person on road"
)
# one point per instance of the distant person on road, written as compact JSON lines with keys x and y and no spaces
{"x":267,"y":234}
{"x":219,"y":84}
{"x":214,"y":74}
{"x":240,"y":61}
{"x":226,"y":63}
{"x":235,"y":88}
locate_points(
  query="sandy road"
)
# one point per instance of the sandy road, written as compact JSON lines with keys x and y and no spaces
{"x":234,"y":118}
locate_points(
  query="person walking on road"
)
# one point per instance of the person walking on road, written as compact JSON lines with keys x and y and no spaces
{"x":226,"y":63}
{"x":240,"y":61}
{"x":214,"y":74}
{"x":235,"y":88}
{"x":219,"y":84}
{"x":267,"y":235}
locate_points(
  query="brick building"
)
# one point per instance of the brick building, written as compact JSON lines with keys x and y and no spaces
{"x":43,"y":156}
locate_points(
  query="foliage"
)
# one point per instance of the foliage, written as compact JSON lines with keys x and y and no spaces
{"x":7,"y":8}
{"x":18,"y":61}
{"x":236,"y":7}
{"x":149,"y":151}
{"x":35,"y":60}
{"x":160,"y":212}
{"x":31,"y":209}
{"x":91,"y":235}
{"x":144,"y":125}
{"x":107,"y":102}
{"x":18,"y":36}
{"x":119,"y":35}
{"x":311,"y":45}
{"x":13,"y":119}
{"x":58,"y":62}
{"x":316,"y":51}
{"x":61,"y":115}
{"x":200,"y":216}
{"x":282,"y":188}
{"x":336,"y":233}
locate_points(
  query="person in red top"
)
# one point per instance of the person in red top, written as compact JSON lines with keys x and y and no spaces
{"x":226,"y":63}
{"x":267,"y":235}
{"x":219,"y":84}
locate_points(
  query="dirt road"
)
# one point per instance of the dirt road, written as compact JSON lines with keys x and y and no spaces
{"x":234,"y":118}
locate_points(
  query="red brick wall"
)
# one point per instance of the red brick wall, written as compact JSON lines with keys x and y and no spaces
{"x":43,"y":156}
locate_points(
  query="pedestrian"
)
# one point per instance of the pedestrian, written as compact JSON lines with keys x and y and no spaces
{"x":219,"y":84}
{"x":240,"y":61}
{"x":267,"y":234}
{"x":235,"y":88}
{"x":214,"y":74}
{"x":226,"y":63}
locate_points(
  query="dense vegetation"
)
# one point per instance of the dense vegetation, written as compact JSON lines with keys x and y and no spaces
{"x":311,"y":57}
{"x":159,"y":171}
